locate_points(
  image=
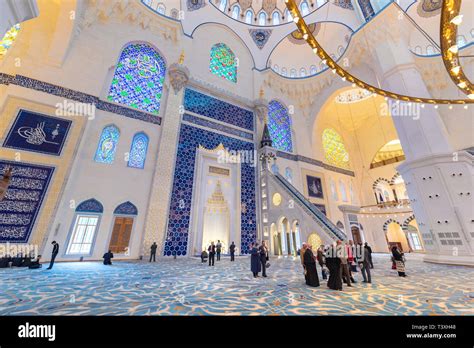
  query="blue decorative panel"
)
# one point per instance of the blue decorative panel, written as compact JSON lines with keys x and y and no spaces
{"x":23,"y":199}
{"x":107,"y":146}
{"x":138,"y":150}
{"x":181,"y":199}
{"x":90,"y":206}
{"x":367,"y":10}
{"x":260,"y":36}
{"x":205,"y":105}
{"x":38,"y":133}
{"x":126,"y":208}
{"x":217,"y":126}
{"x":279,"y":126}
{"x":138,"y":78}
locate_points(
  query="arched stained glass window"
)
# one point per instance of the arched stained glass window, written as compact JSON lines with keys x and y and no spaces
{"x":284,"y":71}
{"x":302,"y":72}
{"x":313,"y":70}
{"x":262,"y":17}
{"x":8,"y":39}
{"x":342,"y":189}
{"x":288,"y":16}
{"x":138,"y":150}
{"x":223,"y":62}
{"x":289,"y":175}
{"x":107,"y":145}
{"x":293,"y":73}
{"x":334,"y":150}
{"x":138,"y":78}
{"x":276,"y":18}
{"x":249,"y":17}
{"x":279,"y":126}
{"x":235,"y":12}
{"x":304,"y":8}
{"x":223,"y":5}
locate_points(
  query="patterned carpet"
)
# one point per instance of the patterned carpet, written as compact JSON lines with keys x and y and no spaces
{"x":187,"y":287}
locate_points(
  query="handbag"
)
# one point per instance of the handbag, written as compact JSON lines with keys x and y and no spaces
{"x":267,"y":265}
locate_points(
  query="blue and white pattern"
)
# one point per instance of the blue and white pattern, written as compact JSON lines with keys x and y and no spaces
{"x":217,"y":126}
{"x":211,"y":107}
{"x":23,"y":199}
{"x":194,"y":5}
{"x":35,"y":132}
{"x":144,"y":288}
{"x":260,"y":36}
{"x":90,"y":206}
{"x":138,"y":151}
{"x":126,"y":208}
{"x":107,"y":145}
{"x":181,"y":197}
{"x":279,"y":126}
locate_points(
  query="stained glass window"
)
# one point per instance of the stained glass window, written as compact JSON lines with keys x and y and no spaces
{"x":8,"y":39}
{"x":334,"y":150}
{"x":107,"y":145}
{"x":138,"y":150}
{"x":138,"y":78}
{"x":289,"y":175}
{"x":279,"y":126}
{"x":223,"y":62}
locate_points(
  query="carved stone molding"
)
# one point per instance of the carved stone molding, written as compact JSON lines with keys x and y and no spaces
{"x":179,"y":76}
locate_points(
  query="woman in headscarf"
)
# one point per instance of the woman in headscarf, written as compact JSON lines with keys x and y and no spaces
{"x":255,"y":265}
{"x":399,"y":263}
{"x":310,"y":266}
{"x":333,"y":262}
{"x":302,"y":251}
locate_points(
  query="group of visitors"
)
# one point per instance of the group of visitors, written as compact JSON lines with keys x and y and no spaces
{"x":215,"y":250}
{"x":340,"y":260}
{"x":259,"y":259}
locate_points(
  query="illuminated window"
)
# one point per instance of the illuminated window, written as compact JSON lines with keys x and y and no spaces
{"x":107,"y":145}
{"x":313,"y":70}
{"x":249,"y":17}
{"x":288,"y":16}
{"x":334,"y":150}
{"x":138,"y":78}
{"x":223,"y":5}
{"x":284,"y":72}
{"x":262,"y":17}
{"x":85,"y":227}
{"x":138,"y":150}
{"x":223,"y":62}
{"x":276,"y":68}
{"x":8,"y":39}
{"x":302,"y":72}
{"x":289,"y":175}
{"x":235,"y":12}
{"x":304,"y":8}
{"x":276,"y":18}
{"x":279,"y":126}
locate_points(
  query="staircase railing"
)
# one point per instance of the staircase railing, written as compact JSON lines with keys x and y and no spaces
{"x":315,"y":213}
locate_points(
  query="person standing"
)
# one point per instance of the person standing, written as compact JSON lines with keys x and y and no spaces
{"x":218,"y":250}
{"x":364,"y":263}
{"x":263,"y":251}
{"x":333,"y":263}
{"x":54,"y":253}
{"x":108,"y":256}
{"x":232,"y":252}
{"x":153,"y":251}
{"x":399,"y":262}
{"x":212,"y":252}
{"x":255,"y":259}
{"x":366,"y":245}
{"x":310,"y":266}
{"x":302,"y":251}
{"x":342,"y":254}
{"x":322,"y":261}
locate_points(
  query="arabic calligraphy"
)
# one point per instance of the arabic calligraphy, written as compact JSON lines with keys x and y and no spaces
{"x":35,"y":136}
{"x":147,"y":67}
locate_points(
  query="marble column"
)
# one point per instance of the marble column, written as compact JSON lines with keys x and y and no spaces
{"x":157,"y":214}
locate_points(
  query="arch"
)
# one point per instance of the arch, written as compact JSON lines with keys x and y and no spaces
{"x":262,"y":18}
{"x":126,"y":208}
{"x":333,"y":188}
{"x":313,"y":70}
{"x":138,"y":78}
{"x":391,"y":152}
{"x":249,"y":16}
{"x":275,"y":169}
{"x":138,"y":150}
{"x":276,"y":68}
{"x":289,"y":175}
{"x":340,"y":50}
{"x":342,"y":189}
{"x":235,"y":11}
{"x":223,"y":62}
{"x":293,"y":72}
{"x":304,"y":8}
{"x":340,"y":225}
{"x":335,"y":151}
{"x":302,"y":72}
{"x":418,"y":50}
{"x":430,"y":50}
{"x":91,"y":205}
{"x":223,"y":5}
{"x":107,"y":146}
{"x":288,"y":16}
{"x":276,"y":18}
{"x":275,"y":239}
{"x":279,"y":126}
{"x":284,"y":71}
{"x":395,"y":235}
{"x":161,"y":8}
{"x":382,"y":190}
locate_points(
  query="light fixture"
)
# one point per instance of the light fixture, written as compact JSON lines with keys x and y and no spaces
{"x":315,"y":50}
{"x":296,"y":19}
{"x":454,"y":49}
{"x":470,"y":96}
{"x":305,"y":36}
{"x":462,"y":84}
{"x":457,"y":20}
{"x":456,"y":70}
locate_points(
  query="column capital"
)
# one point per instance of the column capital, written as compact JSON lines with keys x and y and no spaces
{"x":179,"y":76}
{"x":261,"y":108}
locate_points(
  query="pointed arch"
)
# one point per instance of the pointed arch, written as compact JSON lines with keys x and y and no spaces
{"x":107,"y":146}
{"x":91,"y":205}
{"x":138,"y":78}
{"x":126,"y":208}
{"x":138,"y":150}
{"x":223,"y":62}
{"x":279,"y":126}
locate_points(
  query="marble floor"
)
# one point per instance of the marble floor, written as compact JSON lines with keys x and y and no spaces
{"x":187,"y":287}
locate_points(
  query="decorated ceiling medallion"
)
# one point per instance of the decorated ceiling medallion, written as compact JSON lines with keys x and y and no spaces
{"x":194,"y":5}
{"x":276,"y":199}
{"x":353,"y":95}
{"x":296,"y":37}
{"x":344,"y":4}
{"x":260,"y":36}
{"x":429,"y":8}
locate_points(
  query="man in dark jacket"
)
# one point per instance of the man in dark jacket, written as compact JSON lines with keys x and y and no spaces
{"x":218,"y":250}
{"x":54,"y":253}
{"x":364,"y":263}
{"x":369,"y":252}
{"x":153,"y":251}
{"x":108,"y":256}
{"x":232,"y":252}
{"x":212,"y":252}
{"x":263,"y":251}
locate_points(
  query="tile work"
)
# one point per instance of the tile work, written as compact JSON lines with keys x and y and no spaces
{"x":211,"y":107}
{"x":142,"y":288}
{"x":217,"y":126}
{"x":181,"y":197}
{"x":67,"y":93}
{"x":22,"y":203}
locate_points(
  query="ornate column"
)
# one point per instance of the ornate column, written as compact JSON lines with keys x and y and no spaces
{"x":438,"y":178}
{"x":157,"y":215}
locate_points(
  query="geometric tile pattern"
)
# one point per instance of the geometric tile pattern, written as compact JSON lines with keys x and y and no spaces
{"x":22,"y":203}
{"x":219,"y":110}
{"x":143,"y":288}
{"x":279,"y":126}
{"x":181,"y":198}
{"x":217,"y":126}
{"x":223,"y":62}
{"x":334,"y":150}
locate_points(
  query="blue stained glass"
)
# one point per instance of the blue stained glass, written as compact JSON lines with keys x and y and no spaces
{"x":138,"y":151}
{"x":107,"y":145}
{"x":279,"y":126}
{"x":138,"y":78}
{"x":223,"y":62}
